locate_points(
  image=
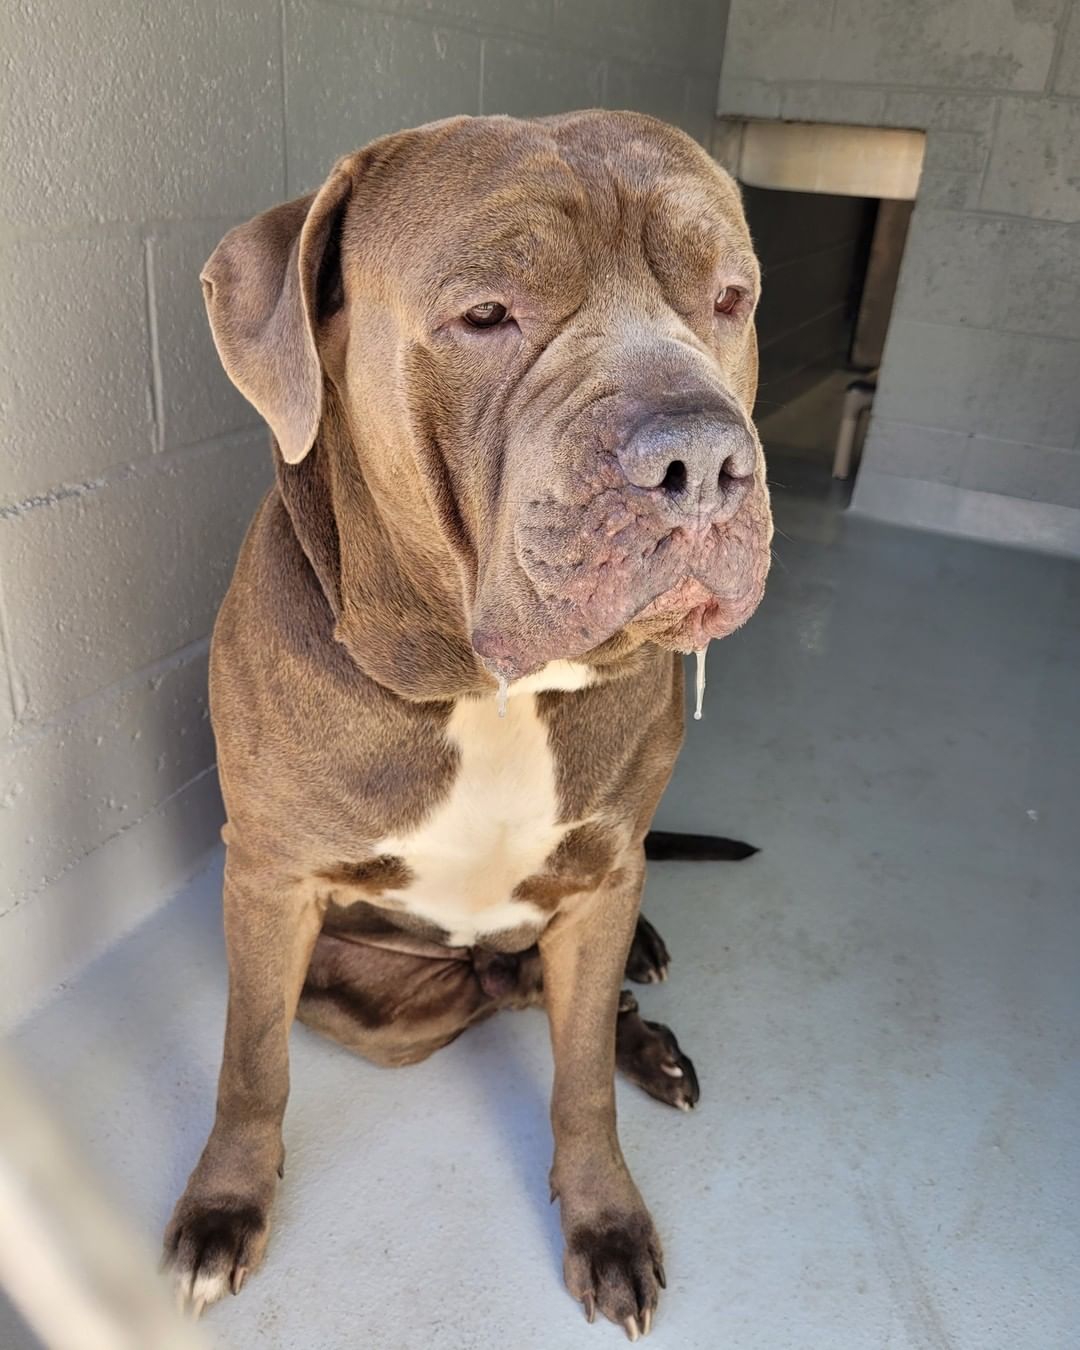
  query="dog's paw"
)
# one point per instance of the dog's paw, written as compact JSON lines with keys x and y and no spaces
{"x":211,"y":1244}
{"x":614,"y":1265}
{"x":649,"y":1055}
{"x":649,"y":957}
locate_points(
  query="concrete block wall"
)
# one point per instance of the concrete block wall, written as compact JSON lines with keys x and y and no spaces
{"x":132,"y":137}
{"x":355,"y":70}
{"x":976,"y":428}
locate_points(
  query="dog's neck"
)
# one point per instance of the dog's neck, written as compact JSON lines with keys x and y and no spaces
{"x":390,"y":579}
{"x":396,"y":588}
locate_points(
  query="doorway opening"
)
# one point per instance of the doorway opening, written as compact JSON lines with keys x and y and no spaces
{"x":828,"y":209}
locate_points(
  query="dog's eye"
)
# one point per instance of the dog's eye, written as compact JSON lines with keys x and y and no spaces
{"x":727,"y":300}
{"x":486,"y":315}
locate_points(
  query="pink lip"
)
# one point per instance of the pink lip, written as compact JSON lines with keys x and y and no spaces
{"x":689,"y":615}
{"x":688,"y":595}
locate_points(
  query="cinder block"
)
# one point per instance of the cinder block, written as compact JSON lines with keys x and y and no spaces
{"x":928,"y":43}
{"x":910,"y":451}
{"x":677,"y":33}
{"x":198,"y":400}
{"x":352,"y":76}
{"x":91,"y":907}
{"x":966,"y":512}
{"x":949,"y":189}
{"x":121,"y":112}
{"x":966,"y":268}
{"x":1032,"y":169}
{"x":843,"y":103}
{"x":925,"y":109}
{"x":521,"y":16}
{"x":749,"y":98}
{"x":75,"y":382}
{"x":647,"y":89}
{"x":1067,"y":78}
{"x":1004,"y":385}
{"x":111,"y":580}
{"x":1034,"y":472}
{"x":777,"y":40}
{"x":67,"y":787}
{"x":699,"y":107}
{"x":955,"y":152}
{"x":525,"y":80}
{"x":710,"y":25}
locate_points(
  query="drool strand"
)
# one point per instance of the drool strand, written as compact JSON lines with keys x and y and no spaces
{"x":699,"y":682}
{"x":502,"y":695}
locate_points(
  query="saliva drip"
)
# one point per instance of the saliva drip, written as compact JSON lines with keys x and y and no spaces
{"x":699,"y":682}
{"x":502,"y":695}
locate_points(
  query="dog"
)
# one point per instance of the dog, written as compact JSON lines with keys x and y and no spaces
{"x":508,"y":368}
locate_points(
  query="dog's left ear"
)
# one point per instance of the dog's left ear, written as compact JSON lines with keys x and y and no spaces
{"x":266,"y":285}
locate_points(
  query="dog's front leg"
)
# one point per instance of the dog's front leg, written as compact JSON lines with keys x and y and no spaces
{"x":613,"y":1259}
{"x":219,"y":1228}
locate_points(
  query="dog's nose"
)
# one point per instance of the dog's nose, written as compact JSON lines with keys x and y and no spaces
{"x":695,"y":463}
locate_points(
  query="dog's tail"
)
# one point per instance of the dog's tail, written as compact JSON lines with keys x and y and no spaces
{"x":670,"y":846}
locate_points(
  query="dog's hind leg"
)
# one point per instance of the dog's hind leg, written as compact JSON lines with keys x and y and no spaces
{"x":649,"y":1055}
{"x":397,"y":1008}
{"x":392,"y":1006}
{"x":649,"y":958}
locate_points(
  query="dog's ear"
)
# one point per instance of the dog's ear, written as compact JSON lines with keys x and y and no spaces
{"x":266,"y":286}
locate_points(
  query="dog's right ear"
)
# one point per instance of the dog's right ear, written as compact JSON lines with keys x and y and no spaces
{"x":263,"y":286}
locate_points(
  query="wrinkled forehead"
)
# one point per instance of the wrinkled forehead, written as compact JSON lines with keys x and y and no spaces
{"x":532,"y":201}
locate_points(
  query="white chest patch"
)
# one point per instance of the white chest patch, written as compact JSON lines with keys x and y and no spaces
{"x":499,"y":822}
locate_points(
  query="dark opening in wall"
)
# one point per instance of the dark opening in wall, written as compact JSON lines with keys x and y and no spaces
{"x":830,"y":265}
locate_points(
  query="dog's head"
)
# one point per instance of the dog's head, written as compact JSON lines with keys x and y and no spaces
{"x":539,"y":336}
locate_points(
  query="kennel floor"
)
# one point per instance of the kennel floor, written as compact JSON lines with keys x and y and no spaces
{"x":883,"y":1007}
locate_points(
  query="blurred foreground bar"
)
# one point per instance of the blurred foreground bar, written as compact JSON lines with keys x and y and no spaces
{"x":69,"y":1263}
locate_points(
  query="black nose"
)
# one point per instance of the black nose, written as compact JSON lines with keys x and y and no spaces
{"x":696,"y":463}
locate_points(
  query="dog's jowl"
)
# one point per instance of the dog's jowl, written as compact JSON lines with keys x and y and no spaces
{"x":508,"y":368}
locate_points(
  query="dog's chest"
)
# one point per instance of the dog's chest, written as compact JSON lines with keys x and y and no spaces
{"x":497,"y":826}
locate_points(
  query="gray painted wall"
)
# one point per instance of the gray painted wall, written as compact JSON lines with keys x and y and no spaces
{"x":977,"y":423}
{"x":133,"y":136}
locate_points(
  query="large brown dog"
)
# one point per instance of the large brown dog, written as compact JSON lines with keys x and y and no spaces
{"x":509,"y":368}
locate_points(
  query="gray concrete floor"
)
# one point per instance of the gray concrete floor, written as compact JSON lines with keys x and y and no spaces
{"x":883,"y":1007}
